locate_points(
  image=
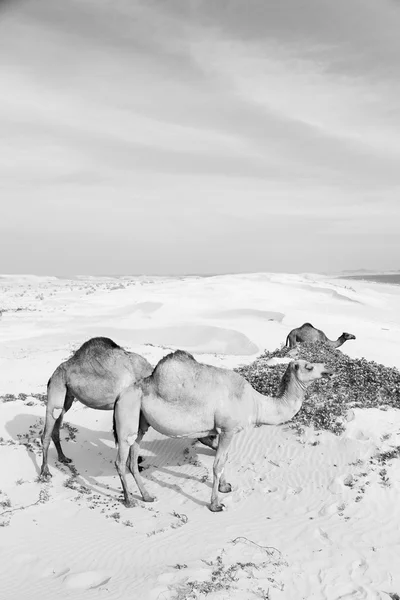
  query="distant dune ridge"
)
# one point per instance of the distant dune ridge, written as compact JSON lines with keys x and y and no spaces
{"x":311,"y":515}
{"x":390,"y":278}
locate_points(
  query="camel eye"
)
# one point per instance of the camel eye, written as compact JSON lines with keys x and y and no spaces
{"x":309,"y":367}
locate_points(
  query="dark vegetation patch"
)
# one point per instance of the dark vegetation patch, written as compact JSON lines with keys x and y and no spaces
{"x":384,"y":457}
{"x":357,"y":383}
{"x":27,"y":398}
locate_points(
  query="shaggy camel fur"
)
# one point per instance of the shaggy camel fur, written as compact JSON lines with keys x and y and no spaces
{"x":308,"y":333}
{"x":184,"y":398}
{"x":95,"y":375}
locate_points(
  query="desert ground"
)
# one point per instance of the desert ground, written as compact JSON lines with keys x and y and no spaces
{"x":310,"y":516}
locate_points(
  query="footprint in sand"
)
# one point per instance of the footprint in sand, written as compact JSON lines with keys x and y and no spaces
{"x":336,"y":485}
{"x":86,"y":580}
{"x":293,"y":491}
{"x":360,"y":435}
{"x":269,"y":489}
{"x":359,"y":567}
{"x":322,"y":535}
{"x":328,"y":510}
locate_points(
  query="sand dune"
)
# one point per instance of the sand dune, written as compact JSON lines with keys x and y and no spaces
{"x":201,"y":339}
{"x":247,"y":313}
{"x":310,"y":516}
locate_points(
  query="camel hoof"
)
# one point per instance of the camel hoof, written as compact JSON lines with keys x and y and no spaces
{"x":65,"y":460}
{"x":130,"y":503}
{"x":217,"y":507}
{"x":45,"y":476}
{"x":225,"y":488}
{"x":149,"y":499}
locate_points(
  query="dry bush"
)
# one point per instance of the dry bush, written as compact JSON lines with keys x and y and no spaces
{"x":357,"y":383}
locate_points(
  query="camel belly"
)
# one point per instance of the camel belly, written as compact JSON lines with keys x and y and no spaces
{"x":98,"y":393}
{"x":174,"y":421}
{"x":92,"y":400}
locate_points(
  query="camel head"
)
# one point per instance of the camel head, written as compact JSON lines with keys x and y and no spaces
{"x":306,"y":372}
{"x":347,"y":336}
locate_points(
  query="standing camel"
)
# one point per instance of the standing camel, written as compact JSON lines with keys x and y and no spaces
{"x":308,"y":333}
{"x":95,"y":375}
{"x":184,"y":398}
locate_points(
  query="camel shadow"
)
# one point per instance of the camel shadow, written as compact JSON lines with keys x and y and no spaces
{"x":84,"y":451}
{"x":93,"y":454}
{"x":177,"y":488}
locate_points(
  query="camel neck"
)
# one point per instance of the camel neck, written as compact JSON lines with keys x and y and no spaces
{"x":335,"y":343}
{"x":274,"y":411}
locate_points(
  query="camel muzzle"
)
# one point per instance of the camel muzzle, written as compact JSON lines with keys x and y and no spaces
{"x":327,"y":373}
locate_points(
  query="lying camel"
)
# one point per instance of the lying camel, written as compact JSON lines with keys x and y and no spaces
{"x":308,"y":333}
{"x":95,"y":375}
{"x":184,"y":398}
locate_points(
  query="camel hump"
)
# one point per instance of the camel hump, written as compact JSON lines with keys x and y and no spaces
{"x":95,"y":347}
{"x":307,"y":325}
{"x":183,"y":355}
{"x":98,"y":343}
{"x":96,"y":356}
{"x":178,"y":355}
{"x":175,"y":367}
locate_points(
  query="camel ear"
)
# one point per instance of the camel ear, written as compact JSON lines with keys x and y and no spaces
{"x":296,"y":366}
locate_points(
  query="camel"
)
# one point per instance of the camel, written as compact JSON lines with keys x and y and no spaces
{"x":184,"y":398}
{"x":308,"y":333}
{"x":95,"y":375}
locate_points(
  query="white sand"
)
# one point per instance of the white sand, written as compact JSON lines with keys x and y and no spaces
{"x":317,"y":499}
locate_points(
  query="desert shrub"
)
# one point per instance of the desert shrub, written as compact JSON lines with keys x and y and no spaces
{"x":357,"y":383}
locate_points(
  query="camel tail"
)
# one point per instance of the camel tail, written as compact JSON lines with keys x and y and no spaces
{"x":287,"y":341}
{"x":115,"y":424}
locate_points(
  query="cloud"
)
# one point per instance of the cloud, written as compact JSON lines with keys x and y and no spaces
{"x":201,"y":121}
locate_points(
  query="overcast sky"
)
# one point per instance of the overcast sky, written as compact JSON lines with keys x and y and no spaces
{"x":199,"y":136}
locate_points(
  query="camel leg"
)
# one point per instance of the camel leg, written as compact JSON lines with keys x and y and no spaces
{"x":211,"y":441}
{"x":134,"y":459}
{"x":56,"y":396}
{"x":221,"y":456}
{"x":56,"y":431}
{"x":127,"y":419}
{"x":122,"y":468}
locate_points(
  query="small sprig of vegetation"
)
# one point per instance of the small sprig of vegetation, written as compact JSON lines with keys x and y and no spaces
{"x":128,"y":523}
{"x":72,"y":431}
{"x":357,"y":383}
{"x":223,"y":578}
{"x":224,"y":575}
{"x":116,"y":516}
{"x":182,"y":520}
{"x":44,"y":497}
